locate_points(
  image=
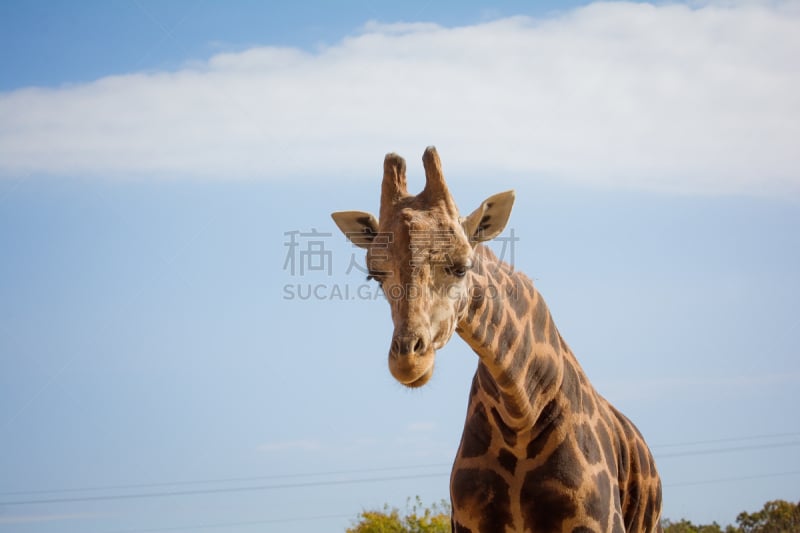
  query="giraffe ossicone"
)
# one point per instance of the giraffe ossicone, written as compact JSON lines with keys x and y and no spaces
{"x":541,"y":450}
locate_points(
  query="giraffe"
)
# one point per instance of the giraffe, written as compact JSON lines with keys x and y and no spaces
{"x":541,"y":450}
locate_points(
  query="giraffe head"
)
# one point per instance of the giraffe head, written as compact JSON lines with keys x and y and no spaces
{"x":420,"y":252}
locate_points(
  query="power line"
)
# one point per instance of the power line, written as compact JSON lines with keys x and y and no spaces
{"x":301,"y":519}
{"x":726,"y":450}
{"x":729,"y":439}
{"x":198,"y":492}
{"x":732,"y":479}
{"x":251,"y":488}
{"x":219,"y":481}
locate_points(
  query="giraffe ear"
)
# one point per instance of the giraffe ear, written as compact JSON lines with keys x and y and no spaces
{"x":360,"y":227}
{"x":489,"y":220}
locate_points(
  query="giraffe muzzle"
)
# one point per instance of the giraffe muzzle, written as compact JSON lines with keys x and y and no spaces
{"x":411,"y":359}
{"x":408,"y":345}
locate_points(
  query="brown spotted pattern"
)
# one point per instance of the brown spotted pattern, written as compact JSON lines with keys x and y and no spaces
{"x":541,"y":451}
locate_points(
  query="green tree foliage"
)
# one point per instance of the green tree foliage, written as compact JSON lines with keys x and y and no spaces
{"x":418,"y":519}
{"x":777,"y":516}
{"x":685,"y":526}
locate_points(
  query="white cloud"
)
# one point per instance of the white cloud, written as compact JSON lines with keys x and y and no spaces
{"x":706,"y":384}
{"x":305,"y":445}
{"x":665,"y":97}
{"x":421,"y":427}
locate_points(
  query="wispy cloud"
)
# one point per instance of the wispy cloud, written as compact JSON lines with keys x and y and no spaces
{"x":668,"y":97}
{"x":421,"y":427}
{"x":306,"y":445}
{"x":669,"y":386}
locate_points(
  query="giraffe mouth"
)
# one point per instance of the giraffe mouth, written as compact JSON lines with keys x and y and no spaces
{"x":412,"y":371}
{"x":420,"y":381}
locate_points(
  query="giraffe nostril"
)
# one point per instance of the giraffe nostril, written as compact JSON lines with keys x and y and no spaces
{"x":408,"y":345}
{"x":419,"y":346}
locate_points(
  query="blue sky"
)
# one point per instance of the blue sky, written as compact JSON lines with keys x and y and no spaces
{"x":159,"y":369}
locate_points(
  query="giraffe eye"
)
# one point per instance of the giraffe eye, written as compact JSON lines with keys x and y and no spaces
{"x":377,"y":276}
{"x":458,"y":271}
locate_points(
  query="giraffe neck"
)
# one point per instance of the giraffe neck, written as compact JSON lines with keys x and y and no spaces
{"x":525,"y":367}
{"x":541,"y":450}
